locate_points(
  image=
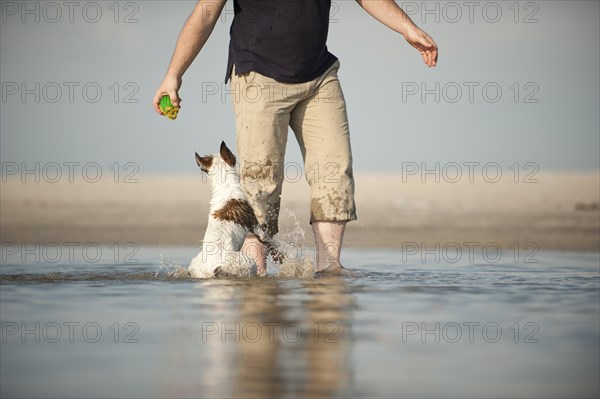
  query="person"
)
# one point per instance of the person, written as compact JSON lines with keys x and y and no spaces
{"x":282,"y":75}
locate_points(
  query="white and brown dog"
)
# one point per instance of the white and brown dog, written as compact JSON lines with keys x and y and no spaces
{"x":230,"y":219}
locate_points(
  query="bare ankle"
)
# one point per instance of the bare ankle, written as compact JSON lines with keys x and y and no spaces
{"x":328,"y":243}
{"x":256,"y":250}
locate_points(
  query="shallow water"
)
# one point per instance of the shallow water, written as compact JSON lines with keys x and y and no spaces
{"x":403,"y":326}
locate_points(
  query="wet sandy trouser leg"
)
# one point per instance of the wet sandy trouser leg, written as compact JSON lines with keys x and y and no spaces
{"x":320,"y":124}
{"x":262,"y":127}
{"x":262,"y":120}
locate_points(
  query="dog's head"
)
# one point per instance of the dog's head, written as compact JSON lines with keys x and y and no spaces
{"x":223,"y":161}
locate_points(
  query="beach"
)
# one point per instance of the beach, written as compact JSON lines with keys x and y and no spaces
{"x":97,"y":301}
{"x":552,"y":211}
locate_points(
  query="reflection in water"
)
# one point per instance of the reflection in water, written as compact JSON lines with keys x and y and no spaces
{"x":296,"y":337}
{"x":292,"y":341}
{"x":261,"y":311}
{"x":328,"y":356}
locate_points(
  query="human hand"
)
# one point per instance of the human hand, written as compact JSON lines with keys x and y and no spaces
{"x":424,"y":43}
{"x":169,"y":87}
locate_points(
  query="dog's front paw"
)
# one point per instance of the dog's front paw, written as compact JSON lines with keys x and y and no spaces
{"x":220,"y":273}
{"x":277,"y":255}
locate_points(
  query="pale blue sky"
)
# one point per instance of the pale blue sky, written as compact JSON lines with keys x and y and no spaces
{"x":554,"y":61}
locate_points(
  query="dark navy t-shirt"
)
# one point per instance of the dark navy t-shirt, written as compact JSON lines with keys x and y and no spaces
{"x":282,"y":39}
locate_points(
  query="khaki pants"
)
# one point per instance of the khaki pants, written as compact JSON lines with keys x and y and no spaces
{"x":316,"y":112}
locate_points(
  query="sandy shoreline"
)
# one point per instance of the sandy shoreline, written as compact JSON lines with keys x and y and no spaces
{"x":560,"y":212}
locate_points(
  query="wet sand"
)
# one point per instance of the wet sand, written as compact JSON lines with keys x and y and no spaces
{"x":559,"y":212}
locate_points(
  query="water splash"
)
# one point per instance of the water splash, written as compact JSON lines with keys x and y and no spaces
{"x":171,"y":269}
{"x":302,"y":267}
{"x":299,"y":260}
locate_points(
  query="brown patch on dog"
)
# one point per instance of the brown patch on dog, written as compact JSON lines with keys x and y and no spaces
{"x":227,"y":155}
{"x":204,"y":162}
{"x":238,"y":211}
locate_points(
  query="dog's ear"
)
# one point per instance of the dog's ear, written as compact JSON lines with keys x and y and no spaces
{"x":204,"y":162}
{"x":227,"y":155}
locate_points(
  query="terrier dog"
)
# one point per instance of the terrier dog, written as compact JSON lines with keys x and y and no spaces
{"x":230,"y":220}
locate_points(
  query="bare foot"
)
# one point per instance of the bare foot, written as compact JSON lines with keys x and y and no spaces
{"x":334,"y":270}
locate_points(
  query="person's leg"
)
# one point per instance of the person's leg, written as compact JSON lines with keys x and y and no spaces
{"x":320,"y":124}
{"x":262,"y":121}
{"x":329,"y":237}
{"x":257,"y":251}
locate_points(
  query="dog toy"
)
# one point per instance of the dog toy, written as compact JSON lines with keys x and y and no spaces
{"x":168,"y":109}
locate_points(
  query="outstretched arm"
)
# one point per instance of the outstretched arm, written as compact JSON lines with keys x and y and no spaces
{"x":391,"y":15}
{"x":194,"y":34}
